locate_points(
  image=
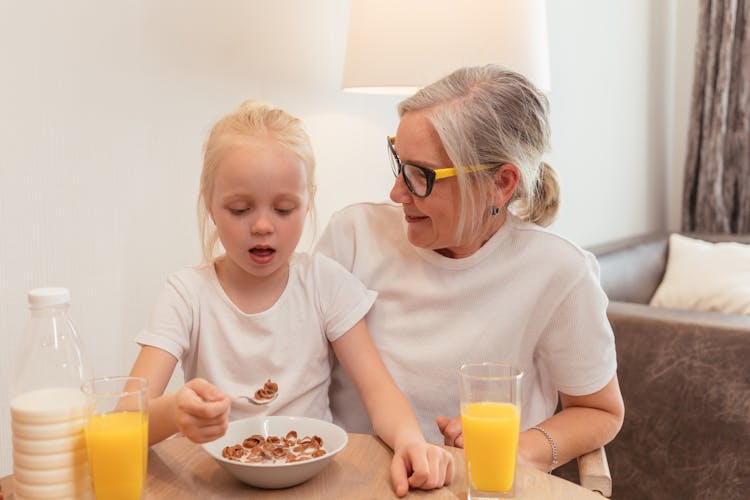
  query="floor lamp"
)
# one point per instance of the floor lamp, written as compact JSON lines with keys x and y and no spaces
{"x":398,"y":46}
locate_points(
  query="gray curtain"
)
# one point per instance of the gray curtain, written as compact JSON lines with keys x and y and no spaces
{"x":716,"y":196}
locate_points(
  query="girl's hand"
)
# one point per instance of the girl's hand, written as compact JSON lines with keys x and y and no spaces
{"x":420,"y":465}
{"x":452,"y":431}
{"x":201,"y":411}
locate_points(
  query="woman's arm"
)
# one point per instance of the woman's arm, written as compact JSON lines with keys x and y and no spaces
{"x":427,"y":466}
{"x":584,"y":424}
{"x":198,"y":409}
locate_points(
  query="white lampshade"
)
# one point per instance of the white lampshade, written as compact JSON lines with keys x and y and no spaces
{"x":398,"y":46}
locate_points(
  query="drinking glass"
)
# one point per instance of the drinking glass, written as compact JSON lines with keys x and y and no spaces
{"x":117,"y":436}
{"x":490,"y":395}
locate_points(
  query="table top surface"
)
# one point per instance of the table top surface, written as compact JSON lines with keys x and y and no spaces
{"x":178,"y":468}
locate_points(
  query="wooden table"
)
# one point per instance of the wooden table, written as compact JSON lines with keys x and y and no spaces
{"x":178,"y":469}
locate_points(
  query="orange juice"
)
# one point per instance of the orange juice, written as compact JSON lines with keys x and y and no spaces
{"x":118,"y":448}
{"x":490,"y":433}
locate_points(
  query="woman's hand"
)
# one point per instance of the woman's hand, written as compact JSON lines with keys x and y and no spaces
{"x":201,"y":411}
{"x":420,"y":465}
{"x":452,"y":431}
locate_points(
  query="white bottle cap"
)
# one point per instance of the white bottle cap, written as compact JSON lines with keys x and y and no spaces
{"x":50,"y":296}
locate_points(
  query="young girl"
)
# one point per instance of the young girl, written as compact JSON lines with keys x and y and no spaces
{"x":261,"y":311}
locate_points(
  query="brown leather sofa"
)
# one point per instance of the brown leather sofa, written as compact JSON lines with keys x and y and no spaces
{"x":685,"y":379}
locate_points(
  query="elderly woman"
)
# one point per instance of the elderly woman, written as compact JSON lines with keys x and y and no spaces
{"x":465,"y":270}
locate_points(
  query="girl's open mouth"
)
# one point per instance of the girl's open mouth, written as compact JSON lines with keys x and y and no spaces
{"x":262,"y":255}
{"x":262,"y":251}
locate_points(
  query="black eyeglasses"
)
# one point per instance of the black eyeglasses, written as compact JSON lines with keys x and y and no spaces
{"x":420,"y":179}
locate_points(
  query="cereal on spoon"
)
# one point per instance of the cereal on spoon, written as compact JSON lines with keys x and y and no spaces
{"x":268,"y":391}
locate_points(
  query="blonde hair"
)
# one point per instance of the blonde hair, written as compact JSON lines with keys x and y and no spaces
{"x":253,"y":119}
{"x":488,"y":115}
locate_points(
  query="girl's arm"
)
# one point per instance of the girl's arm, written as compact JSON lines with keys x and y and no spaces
{"x":584,"y":424}
{"x":199,"y":410}
{"x":415,"y":463}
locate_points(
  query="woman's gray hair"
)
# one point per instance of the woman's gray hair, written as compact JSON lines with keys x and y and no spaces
{"x":488,"y":115}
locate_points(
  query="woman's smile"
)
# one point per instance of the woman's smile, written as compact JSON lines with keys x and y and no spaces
{"x":415,"y":218}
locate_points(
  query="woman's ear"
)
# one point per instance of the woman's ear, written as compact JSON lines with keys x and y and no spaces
{"x":506,"y":180}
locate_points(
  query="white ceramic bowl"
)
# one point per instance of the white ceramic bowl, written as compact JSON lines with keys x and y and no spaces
{"x":277,"y":475}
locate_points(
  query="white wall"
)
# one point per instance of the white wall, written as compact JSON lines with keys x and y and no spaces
{"x":104,"y":107}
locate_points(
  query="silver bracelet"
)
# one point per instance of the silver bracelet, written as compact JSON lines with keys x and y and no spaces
{"x":552,"y":443}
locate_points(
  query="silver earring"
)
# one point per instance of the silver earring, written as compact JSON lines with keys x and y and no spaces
{"x":494,"y":210}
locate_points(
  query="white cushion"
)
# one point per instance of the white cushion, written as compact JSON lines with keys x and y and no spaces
{"x":704,"y":276}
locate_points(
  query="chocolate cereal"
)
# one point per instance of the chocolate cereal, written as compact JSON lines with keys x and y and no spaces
{"x":258,"y":449}
{"x":268,"y":391}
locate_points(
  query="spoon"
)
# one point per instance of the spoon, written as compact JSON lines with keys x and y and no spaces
{"x":266,"y":394}
{"x":257,"y":401}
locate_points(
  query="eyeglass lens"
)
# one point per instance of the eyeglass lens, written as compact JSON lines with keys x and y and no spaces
{"x":415,"y":178}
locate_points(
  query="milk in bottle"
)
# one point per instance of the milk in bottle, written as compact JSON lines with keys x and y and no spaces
{"x":48,"y":410}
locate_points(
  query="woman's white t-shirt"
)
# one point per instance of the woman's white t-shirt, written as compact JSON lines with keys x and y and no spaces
{"x":527,"y":296}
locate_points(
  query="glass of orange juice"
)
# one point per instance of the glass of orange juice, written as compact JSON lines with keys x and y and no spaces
{"x":117,"y":436}
{"x":490,"y":396}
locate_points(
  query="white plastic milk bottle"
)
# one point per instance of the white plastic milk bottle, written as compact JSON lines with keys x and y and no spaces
{"x":48,"y":410}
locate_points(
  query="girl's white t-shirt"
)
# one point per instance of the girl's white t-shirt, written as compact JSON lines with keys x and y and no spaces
{"x":196,"y":322}
{"x":527,"y":296}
